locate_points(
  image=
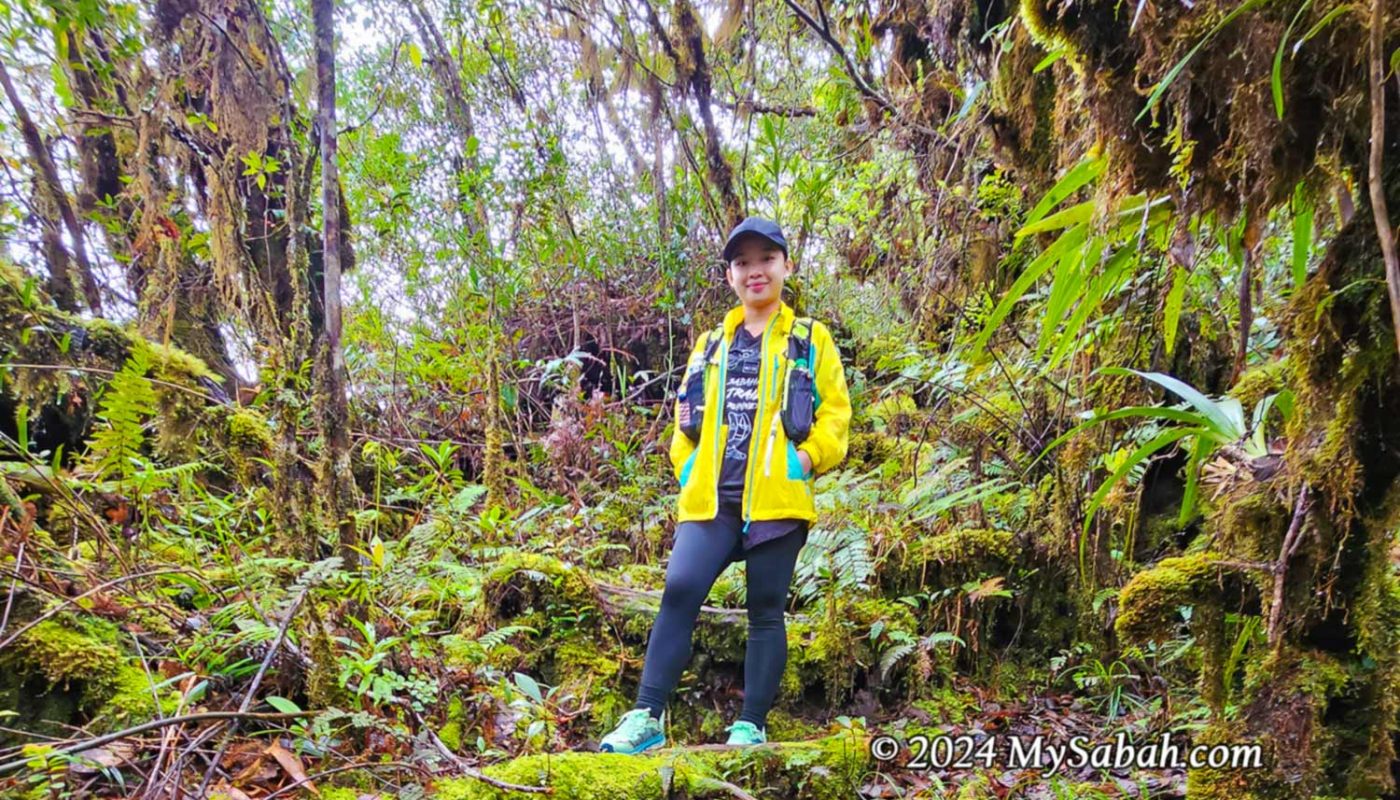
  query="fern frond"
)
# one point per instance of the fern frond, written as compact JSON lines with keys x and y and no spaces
{"x":500,"y":635}
{"x":127,"y":404}
{"x":892,"y":657}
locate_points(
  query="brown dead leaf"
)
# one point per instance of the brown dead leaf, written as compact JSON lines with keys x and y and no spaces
{"x":292,"y":765}
{"x":95,"y":759}
{"x":223,"y":790}
{"x":989,"y":586}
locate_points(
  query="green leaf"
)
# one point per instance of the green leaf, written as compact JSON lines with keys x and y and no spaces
{"x":415,"y":54}
{"x":467,"y":497}
{"x":1069,"y":240}
{"x":1074,"y":215}
{"x":528,"y":685}
{"x":1323,"y":23}
{"x":1045,"y":63}
{"x":283,"y":704}
{"x":60,"y":84}
{"x":1145,"y":412}
{"x":1171,"y":313}
{"x":1172,"y":74}
{"x":1078,"y":176}
{"x":22,"y":423}
{"x":1222,"y":422}
{"x":1144,"y":452}
{"x":1199,"y":450}
{"x":1276,"y":80}
{"x":1099,"y":287}
{"x":1084,"y":212}
{"x":1302,"y":234}
{"x":1068,"y":285}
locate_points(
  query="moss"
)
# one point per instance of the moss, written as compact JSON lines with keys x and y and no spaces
{"x":868,"y":450}
{"x":1148,"y":605}
{"x":825,"y":769}
{"x":1219,"y":784}
{"x":169,"y":363}
{"x":82,"y":658}
{"x":644,"y":576}
{"x":451,"y":732}
{"x":963,"y":545}
{"x":946,"y":705}
{"x":1378,"y":636}
{"x":1251,"y":522}
{"x":1048,"y":35}
{"x":784,"y":727}
{"x":249,"y":431}
{"x":1261,"y":381}
{"x":534,"y":577}
{"x":897,"y":413}
{"x":1288,"y":695}
{"x":579,"y":661}
{"x":461,"y":652}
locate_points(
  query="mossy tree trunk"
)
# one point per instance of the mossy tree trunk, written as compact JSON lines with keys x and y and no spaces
{"x":337,"y":486}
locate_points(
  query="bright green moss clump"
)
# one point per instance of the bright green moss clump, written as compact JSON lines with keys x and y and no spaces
{"x":969,"y":544}
{"x":1148,"y":603}
{"x":80,"y":660}
{"x":825,"y":769}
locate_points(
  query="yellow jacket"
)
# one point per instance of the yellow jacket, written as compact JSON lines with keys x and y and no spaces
{"x":776,"y":487}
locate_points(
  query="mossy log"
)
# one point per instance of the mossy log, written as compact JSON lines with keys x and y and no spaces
{"x":822,"y":769}
{"x":57,"y":362}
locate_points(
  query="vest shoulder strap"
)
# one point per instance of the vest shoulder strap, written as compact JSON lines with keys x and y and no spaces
{"x":800,"y":340}
{"x":712,"y":340}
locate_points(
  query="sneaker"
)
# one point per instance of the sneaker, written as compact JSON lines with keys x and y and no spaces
{"x":637,"y":731}
{"x":744,"y":732}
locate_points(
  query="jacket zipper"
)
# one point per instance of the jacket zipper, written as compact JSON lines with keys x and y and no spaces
{"x":758,"y":415}
{"x":776,"y":382}
{"x":723,"y":352}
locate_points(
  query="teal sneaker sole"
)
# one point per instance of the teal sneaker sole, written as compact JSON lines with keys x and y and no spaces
{"x":655,"y":741}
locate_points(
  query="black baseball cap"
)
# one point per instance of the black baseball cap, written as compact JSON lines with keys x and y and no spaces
{"x":758,"y":226}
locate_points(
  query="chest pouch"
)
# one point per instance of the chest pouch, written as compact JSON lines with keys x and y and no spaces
{"x":798,"y":391}
{"x":693,"y":387}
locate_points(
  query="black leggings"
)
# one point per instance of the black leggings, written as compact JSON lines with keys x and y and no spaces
{"x":701,"y":552}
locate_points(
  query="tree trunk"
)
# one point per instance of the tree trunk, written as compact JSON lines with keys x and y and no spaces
{"x":48,"y":179}
{"x":336,"y":484}
{"x":693,"y":51}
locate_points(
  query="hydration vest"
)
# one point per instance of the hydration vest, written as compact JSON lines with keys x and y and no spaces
{"x":798,"y":405}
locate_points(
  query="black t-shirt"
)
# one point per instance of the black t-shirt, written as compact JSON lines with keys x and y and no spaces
{"x":740,"y":407}
{"x":740,"y":410}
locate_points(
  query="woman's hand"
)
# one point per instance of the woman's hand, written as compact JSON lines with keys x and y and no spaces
{"x":806,"y":460}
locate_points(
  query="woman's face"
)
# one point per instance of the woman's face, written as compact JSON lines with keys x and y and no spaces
{"x":757,"y":272}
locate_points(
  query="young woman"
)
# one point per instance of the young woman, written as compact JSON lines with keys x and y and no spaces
{"x":745,"y":479}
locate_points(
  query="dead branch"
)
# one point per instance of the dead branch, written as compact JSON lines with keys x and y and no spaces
{"x":154,"y":725}
{"x":1290,"y":545}
{"x":466,"y":768}
{"x":67,"y":601}
{"x":1378,"y":205}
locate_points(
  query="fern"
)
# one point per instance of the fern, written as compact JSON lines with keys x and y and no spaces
{"x":500,"y":635}
{"x":892,"y":656}
{"x":127,"y":405}
{"x":838,"y":559}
